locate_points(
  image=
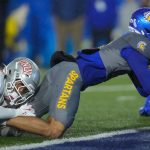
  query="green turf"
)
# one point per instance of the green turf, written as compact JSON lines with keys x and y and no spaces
{"x":98,"y":112}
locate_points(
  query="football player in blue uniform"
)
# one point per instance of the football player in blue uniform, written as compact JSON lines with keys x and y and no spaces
{"x":59,"y":92}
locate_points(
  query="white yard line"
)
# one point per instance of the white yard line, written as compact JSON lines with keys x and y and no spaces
{"x":111,"y":88}
{"x":61,"y":141}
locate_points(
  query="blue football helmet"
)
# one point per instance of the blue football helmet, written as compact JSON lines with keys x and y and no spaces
{"x":140,"y":22}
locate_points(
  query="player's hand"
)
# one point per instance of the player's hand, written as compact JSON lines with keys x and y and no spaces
{"x":25,"y":110}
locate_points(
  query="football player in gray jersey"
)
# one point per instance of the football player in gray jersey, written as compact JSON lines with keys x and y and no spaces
{"x":18,"y":82}
{"x":59,"y":92}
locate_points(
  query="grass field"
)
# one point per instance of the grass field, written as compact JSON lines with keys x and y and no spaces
{"x":100,"y":110}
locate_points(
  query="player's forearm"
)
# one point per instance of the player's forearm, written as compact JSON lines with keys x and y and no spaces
{"x":30,"y":124}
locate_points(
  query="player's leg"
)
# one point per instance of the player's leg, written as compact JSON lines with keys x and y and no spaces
{"x":64,"y":98}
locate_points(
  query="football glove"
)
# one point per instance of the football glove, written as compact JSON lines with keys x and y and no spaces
{"x":25,"y":110}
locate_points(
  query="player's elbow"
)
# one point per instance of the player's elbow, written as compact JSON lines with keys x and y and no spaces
{"x":53,"y":133}
{"x":55,"y":130}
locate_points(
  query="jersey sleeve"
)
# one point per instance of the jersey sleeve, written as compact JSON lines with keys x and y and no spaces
{"x":139,"y":65}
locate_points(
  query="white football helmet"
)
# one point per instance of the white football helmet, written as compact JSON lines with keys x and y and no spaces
{"x":22,"y":79}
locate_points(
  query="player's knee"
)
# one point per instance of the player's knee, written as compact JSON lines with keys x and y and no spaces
{"x":55,"y":129}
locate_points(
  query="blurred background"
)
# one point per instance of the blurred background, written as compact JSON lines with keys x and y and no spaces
{"x":37,"y":28}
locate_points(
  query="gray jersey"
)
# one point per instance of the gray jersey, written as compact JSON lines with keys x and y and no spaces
{"x":110,"y":54}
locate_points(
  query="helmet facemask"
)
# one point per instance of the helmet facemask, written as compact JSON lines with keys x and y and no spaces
{"x":17,"y":92}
